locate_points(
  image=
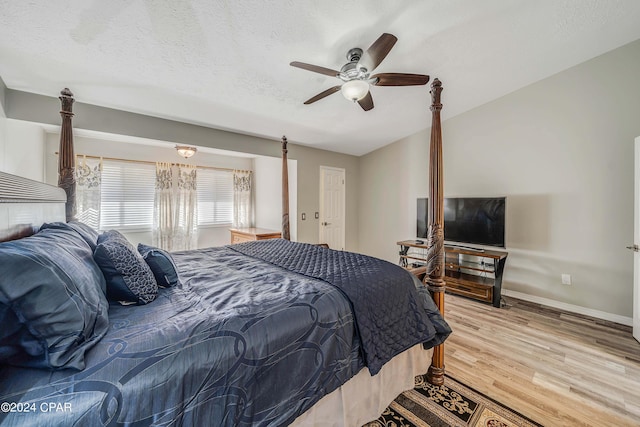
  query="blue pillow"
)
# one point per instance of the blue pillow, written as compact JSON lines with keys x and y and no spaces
{"x":52,"y":304}
{"x":89,"y":234}
{"x":129,"y":278}
{"x":161,"y":264}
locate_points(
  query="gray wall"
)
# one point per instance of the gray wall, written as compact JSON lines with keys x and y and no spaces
{"x":561,"y":150}
{"x":309,"y":162}
{"x":43,"y":109}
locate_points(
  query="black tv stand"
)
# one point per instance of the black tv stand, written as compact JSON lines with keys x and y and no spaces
{"x":470,"y":272}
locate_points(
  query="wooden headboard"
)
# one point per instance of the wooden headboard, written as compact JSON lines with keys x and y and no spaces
{"x":26,"y":204}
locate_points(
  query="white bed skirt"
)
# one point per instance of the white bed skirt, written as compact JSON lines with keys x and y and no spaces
{"x":363,"y":397}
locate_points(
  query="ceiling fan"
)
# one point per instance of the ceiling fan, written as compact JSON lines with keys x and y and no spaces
{"x":356,"y":74}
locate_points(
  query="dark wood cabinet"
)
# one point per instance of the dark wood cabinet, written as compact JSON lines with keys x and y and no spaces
{"x":473,"y":273}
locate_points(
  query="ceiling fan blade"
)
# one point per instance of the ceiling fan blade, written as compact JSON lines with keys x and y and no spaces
{"x":322,"y":95}
{"x":400,"y":79}
{"x":367,"y":102}
{"x":315,"y":68}
{"x":377,"y":52}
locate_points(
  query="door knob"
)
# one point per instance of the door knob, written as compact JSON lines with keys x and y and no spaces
{"x":634,"y":248}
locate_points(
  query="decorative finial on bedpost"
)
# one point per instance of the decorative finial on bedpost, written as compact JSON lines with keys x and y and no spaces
{"x":285,"y":191}
{"x":436,"y":89}
{"x":66,"y":158}
{"x":434,"y":278}
{"x":66,"y":98}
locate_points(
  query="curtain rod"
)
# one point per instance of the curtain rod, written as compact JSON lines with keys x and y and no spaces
{"x":153,"y":163}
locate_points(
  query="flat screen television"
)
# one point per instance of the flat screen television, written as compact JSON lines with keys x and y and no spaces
{"x":474,"y":220}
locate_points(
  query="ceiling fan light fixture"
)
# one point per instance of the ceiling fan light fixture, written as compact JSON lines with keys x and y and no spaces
{"x":186,"y":151}
{"x":355,"y":90}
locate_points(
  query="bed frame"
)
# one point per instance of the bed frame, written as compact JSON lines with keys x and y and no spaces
{"x":17,"y":189}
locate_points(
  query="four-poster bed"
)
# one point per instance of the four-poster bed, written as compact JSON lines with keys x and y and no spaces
{"x":434,"y":277}
{"x":177,"y":359}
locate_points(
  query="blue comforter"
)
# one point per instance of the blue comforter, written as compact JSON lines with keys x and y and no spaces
{"x":242,"y":341}
{"x":390,"y":314}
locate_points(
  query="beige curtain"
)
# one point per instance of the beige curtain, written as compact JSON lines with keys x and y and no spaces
{"x":242,"y":199}
{"x":88,"y":190}
{"x":175,"y":225}
{"x":163,"y":207}
{"x":186,"y":229}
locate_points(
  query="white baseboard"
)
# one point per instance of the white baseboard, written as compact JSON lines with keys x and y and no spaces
{"x":623,"y":320}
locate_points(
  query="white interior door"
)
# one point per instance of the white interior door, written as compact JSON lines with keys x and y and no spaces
{"x":332,"y":207}
{"x":636,"y":242}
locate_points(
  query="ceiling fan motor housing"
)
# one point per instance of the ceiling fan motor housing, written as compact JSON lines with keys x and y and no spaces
{"x":354,"y":54}
{"x":350,"y":70}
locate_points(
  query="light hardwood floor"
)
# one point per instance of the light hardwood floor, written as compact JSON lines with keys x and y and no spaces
{"x":556,"y":367}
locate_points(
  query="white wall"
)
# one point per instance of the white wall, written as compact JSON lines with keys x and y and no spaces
{"x":22,"y":148}
{"x":561,"y":150}
{"x":268,"y":193}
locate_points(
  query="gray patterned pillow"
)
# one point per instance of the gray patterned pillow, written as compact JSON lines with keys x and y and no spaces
{"x":129,"y":278}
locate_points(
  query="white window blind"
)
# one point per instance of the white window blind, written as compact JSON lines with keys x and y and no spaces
{"x":127,"y":195}
{"x":215,"y":197}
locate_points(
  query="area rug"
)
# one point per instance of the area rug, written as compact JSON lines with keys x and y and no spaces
{"x":450,"y":405}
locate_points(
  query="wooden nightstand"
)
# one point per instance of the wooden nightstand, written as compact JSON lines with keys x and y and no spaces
{"x":239,"y":235}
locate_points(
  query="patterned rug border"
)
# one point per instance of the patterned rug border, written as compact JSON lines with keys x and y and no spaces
{"x":497,"y":402}
{"x":454,"y":404}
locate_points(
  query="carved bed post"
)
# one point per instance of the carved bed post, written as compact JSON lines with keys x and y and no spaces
{"x":66,"y":159}
{"x":434,"y":278}
{"x":285,"y":191}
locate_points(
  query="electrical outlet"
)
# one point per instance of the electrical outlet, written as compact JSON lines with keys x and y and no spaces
{"x":566,"y":279}
{"x":304,"y":216}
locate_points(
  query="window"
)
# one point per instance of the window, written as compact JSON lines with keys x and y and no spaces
{"x":128,"y":192}
{"x":127,"y":195}
{"x":215,"y":197}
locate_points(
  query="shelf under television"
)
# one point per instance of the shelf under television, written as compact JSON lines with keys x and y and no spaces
{"x":466,"y":265}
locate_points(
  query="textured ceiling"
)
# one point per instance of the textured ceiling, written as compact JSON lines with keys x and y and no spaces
{"x":225,"y":64}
